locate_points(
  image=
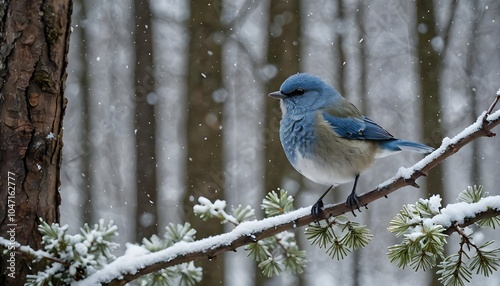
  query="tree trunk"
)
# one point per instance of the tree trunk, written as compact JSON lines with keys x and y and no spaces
{"x":145,"y":127}
{"x":363,"y":58}
{"x":361,"y":22}
{"x":429,"y":70}
{"x":338,"y":50}
{"x":429,"y":65}
{"x":33,"y":49}
{"x":471,"y":62}
{"x":205,"y":176}
{"x":88,"y":213}
{"x":283,"y":52}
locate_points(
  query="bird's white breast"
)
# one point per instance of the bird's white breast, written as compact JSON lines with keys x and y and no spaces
{"x":323,"y":173}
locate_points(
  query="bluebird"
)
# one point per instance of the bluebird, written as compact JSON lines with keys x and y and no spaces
{"x":327,"y":139}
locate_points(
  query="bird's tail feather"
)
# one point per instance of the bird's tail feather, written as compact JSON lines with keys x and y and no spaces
{"x":392,"y":146}
{"x":413,"y":147}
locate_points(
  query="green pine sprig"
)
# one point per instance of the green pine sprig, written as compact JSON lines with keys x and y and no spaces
{"x":275,"y":204}
{"x":339,"y":236}
{"x":422,"y":241}
{"x":473,"y":195}
{"x":73,"y":257}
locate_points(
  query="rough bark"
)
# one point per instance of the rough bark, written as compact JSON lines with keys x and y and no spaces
{"x":33,"y":49}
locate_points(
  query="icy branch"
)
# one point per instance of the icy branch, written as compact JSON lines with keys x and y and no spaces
{"x":128,"y":268}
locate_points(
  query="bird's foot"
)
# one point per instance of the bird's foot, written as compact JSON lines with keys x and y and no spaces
{"x":316,"y":210}
{"x":353,"y":201}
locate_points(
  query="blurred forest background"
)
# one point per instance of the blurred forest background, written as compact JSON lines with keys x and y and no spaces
{"x":167,"y":102}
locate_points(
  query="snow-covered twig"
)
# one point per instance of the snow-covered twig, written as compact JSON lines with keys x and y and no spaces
{"x":40,"y":254}
{"x":205,"y":208}
{"x":464,"y":214}
{"x":125,"y":268}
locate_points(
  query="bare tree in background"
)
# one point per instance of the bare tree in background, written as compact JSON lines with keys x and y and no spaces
{"x":363,"y":57}
{"x":87,"y":206}
{"x":431,"y":52}
{"x":283,"y":52}
{"x":429,"y":65}
{"x":205,"y":175}
{"x":360,"y":19}
{"x":145,"y":127}
{"x":338,"y":51}
{"x":470,"y":64}
{"x":34,"y":44}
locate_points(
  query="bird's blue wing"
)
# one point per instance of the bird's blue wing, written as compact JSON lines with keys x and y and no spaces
{"x":356,"y":128}
{"x":374,"y":131}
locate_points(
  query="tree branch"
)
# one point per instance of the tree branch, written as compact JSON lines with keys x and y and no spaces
{"x":27,"y":250}
{"x":129,"y":267}
{"x":471,"y":220}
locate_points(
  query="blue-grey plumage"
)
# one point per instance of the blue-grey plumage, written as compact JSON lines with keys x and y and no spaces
{"x":326,"y":138}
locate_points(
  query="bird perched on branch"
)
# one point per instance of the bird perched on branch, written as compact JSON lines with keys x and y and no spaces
{"x":327,"y":139}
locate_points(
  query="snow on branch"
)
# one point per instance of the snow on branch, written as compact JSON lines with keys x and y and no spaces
{"x":12,"y":244}
{"x":131,"y":266}
{"x":466,"y":213}
{"x":424,"y":228}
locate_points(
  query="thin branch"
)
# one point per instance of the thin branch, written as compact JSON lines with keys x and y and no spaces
{"x":122,"y":270}
{"x":492,"y":106}
{"x":244,"y":12}
{"x":472,"y":220}
{"x":446,"y":31}
{"x":27,"y":250}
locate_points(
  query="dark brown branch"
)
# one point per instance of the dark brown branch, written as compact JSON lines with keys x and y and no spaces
{"x":330,"y":210}
{"x":468,"y":221}
{"x":492,"y":106}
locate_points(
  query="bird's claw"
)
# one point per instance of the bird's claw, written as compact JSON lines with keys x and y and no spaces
{"x":352,"y":201}
{"x":316,"y":210}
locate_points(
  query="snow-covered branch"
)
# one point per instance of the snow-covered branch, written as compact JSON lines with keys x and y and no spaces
{"x":463,"y":214}
{"x":12,"y":244}
{"x":131,"y":266}
{"x":424,"y":228}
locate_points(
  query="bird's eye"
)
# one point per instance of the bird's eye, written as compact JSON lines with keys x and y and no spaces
{"x":295,"y":92}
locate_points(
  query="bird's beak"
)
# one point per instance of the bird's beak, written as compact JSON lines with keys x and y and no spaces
{"x":277,"y":95}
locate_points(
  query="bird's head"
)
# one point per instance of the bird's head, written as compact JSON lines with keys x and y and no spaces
{"x":305,"y":92}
